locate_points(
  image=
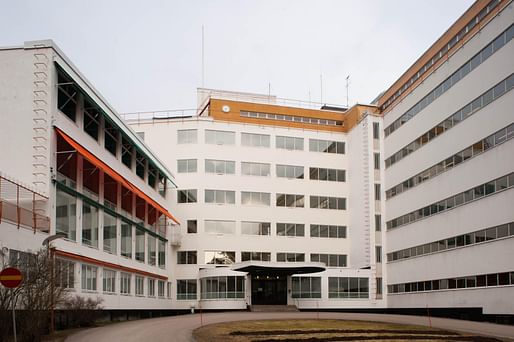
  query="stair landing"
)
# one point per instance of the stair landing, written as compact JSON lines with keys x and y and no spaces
{"x":273,"y":308}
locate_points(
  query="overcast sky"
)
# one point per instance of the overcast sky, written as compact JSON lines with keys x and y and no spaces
{"x":146,"y":55}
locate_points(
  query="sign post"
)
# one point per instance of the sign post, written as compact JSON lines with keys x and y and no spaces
{"x":11,"y":278}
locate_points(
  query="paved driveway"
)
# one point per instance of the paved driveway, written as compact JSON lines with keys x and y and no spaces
{"x":180,"y":328}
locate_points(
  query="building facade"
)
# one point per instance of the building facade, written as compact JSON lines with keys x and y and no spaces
{"x":402,"y":204}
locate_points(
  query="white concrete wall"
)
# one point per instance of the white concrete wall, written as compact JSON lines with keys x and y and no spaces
{"x":490,"y":257}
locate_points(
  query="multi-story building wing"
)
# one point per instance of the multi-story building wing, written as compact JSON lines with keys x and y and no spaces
{"x":278,"y":203}
{"x":71,"y":168}
{"x":449,"y":171}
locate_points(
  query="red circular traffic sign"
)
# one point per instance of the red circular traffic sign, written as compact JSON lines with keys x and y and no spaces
{"x":11,"y":277}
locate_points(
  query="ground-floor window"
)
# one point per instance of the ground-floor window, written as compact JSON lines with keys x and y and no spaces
{"x":348,"y":287}
{"x":140,"y":286}
{"x":151,"y":287}
{"x":186,"y":289}
{"x":65,"y":271}
{"x":222,"y":287}
{"x":89,"y":276}
{"x":109,"y":281}
{"x":160,"y":288}
{"x":306,"y":287}
{"x":125,"y":280}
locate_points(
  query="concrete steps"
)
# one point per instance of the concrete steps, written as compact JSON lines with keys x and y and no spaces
{"x":273,"y":308}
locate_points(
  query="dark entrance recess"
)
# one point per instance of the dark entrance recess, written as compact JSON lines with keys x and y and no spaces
{"x":269,"y":289}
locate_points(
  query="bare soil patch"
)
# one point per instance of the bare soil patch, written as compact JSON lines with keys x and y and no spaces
{"x":304,"y":330}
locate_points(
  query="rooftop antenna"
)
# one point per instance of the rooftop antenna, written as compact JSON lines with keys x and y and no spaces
{"x":321,"y":87}
{"x":203,"y":59}
{"x":347,"y":86}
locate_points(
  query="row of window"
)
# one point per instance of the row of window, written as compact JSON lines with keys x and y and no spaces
{"x":264,"y":228}
{"x":229,"y":257}
{"x":217,"y":137}
{"x":475,"y":149}
{"x":134,"y":242}
{"x":462,"y":198}
{"x":69,"y":96}
{"x":453,"y":79}
{"x":463,"y":113}
{"x":291,"y":118}
{"x":111,"y":282}
{"x":456,"y":38}
{"x":262,"y":198}
{"x":228,"y":167}
{"x":474,"y":281}
{"x":453,"y":242}
{"x":338,"y":287}
{"x":222,"y":287}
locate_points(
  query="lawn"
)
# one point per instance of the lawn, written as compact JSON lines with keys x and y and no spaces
{"x":325,"y":330}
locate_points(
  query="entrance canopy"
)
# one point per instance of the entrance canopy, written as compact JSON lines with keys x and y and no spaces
{"x":279,"y":268}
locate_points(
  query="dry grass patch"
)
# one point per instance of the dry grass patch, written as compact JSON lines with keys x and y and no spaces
{"x":324,"y":330}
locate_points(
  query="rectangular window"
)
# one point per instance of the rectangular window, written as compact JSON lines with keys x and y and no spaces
{"x":65,"y":273}
{"x":325,"y":202}
{"x":376,"y":130}
{"x":255,"y":198}
{"x":326,"y":146}
{"x":289,"y":171}
{"x":255,"y":169}
{"x":126,"y":240}
{"x":140,"y":164}
{"x":348,"y":287}
{"x":220,"y":137}
{"x":378,"y":253}
{"x":255,"y":140}
{"x":140,"y":245}
{"x":161,"y":253}
{"x":290,"y":200}
{"x":331,"y":260}
{"x":306,"y":287}
{"x":187,"y":196}
{"x":220,"y":196}
{"x":66,"y":215}
{"x":255,"y":228}
{"x":89,"y":225}
{"x":111,"y":135}
{"x":222,"y":287}
{"x":255,"y":256}
{"x":332,"y":175}
{"x":186,"y":165}
{"x":186,"y":257}
{"x":378,"y":223}
{"x":89,"y":277}
{"x":219,"y":257}
{"x":187,"y":136}
{"x":109,"y":281}
{"x":290,"y":229}
{"x":160,"y":288}
{"x":109,"y":233}
{"x":168,"y":289}
{"x":67,"y":96}
{"x":220,"y":167}
{"x":290,"y":257}
{"x":140,"y":286}
{"x":186,"y":289}
{"x":151,"y":287}
{"x":377,"y":192}
{"x":328,"y":231}
{"x":289,"y":143}
{"x":126,"y":152}
{"x":220,"y":227}
{"x":125,"y":282}
{"x":376,"y":157}
{"x":192,"y":226}
{"x":92,"y":117}
{"x":379,"y":286}
{"x":152,"y":257}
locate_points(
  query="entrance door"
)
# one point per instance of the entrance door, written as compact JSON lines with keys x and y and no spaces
{"x":269,"y":290}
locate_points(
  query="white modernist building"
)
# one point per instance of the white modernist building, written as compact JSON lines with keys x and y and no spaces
{"x":401,"y":205}
{"x":277,"y":203}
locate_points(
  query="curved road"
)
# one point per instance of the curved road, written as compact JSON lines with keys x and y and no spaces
{"x":180,"y":328}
